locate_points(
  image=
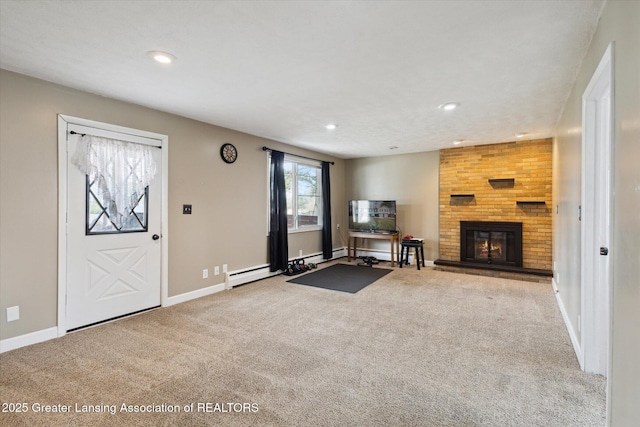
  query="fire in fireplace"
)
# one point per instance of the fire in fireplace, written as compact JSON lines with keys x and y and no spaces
{"x":490,"y":246}
{"x":488,"y":242}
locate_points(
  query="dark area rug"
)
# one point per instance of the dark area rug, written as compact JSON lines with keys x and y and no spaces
{"x":342,"y":277}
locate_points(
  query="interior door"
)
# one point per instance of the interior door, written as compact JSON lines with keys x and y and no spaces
{"x":596,"y":278}
{"x":602,"y":220}
{"x":111,"y":272}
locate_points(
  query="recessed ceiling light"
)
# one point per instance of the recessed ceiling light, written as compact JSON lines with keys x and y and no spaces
{"x":458,"y":141}
{"x":161,"y":57}
{"x":448,"y":106}
{"x":331,"y":126}
{"x":520,"y":134}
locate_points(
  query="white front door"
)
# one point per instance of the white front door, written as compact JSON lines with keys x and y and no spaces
{"x":111,"y":271}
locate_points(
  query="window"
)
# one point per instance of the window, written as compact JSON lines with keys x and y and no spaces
{"x":118,"y":174}
{"x":102,"y":219}
{"x":303,"y":182}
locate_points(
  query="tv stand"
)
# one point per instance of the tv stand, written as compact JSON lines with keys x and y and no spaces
{"x":378,"y":232}
{"x":392,"y":237}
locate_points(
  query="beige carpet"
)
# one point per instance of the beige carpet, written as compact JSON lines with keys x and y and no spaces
{"x":415,"y":348}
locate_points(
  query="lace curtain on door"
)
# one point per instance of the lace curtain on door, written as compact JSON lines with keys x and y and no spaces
{"x":118,"y":174}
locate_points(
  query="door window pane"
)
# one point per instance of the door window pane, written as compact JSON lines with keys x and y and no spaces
{"x":101,"y":215}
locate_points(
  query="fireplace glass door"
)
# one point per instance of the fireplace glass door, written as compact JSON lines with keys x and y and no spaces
{"x":491,"y":243}
{"x":489,"y":246}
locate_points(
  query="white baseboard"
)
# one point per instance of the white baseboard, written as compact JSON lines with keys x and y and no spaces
{"x":199,"y":293}
{"x":386,"y":256}
{"x":572,"y":335}
{"x":380,"y":254}
{"x":318,"y":258}
{"x":28,"y":339}
{"x":337,"y":253}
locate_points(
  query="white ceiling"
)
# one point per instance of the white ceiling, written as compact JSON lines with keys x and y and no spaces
{"x":284,"y":69}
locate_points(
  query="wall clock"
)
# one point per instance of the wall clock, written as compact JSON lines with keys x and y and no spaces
{"x":228,"y":153}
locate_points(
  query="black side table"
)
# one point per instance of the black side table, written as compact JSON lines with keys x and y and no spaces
{"x":418,"y":245}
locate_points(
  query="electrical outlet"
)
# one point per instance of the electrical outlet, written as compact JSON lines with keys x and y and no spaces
{"x":216,"y":270}
{"x":300,"y":253}
{"x":338,"y":226}
{"x":205,"y":273}
{"x":224,"y":268}
{"x":13,"y":313}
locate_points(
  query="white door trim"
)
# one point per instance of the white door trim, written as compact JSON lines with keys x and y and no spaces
{"x":597,"y":145}
{"x":63,"y":121}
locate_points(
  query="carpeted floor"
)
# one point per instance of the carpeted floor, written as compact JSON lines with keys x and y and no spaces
{"x":415,"y":348}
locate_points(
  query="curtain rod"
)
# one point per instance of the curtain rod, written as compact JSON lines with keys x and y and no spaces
{"x":73,"y":132}
{"x":297,"y":155}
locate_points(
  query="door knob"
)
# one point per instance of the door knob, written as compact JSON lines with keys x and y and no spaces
{"x":604,"y":251}
{"x":155,"y":237}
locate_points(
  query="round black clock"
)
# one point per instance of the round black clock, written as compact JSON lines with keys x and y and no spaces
{"x":228,"y":153}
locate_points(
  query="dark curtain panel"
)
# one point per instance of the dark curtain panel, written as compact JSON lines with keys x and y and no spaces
{"x":278,"y":237}
{"x":327,"y":247}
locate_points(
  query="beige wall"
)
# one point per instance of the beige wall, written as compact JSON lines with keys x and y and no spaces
{"x":229,"y":220}
{"x":409,"y":179}
{"x":619,"y":23}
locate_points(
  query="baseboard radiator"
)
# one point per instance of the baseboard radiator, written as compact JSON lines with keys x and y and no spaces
{"x":247,"y":275}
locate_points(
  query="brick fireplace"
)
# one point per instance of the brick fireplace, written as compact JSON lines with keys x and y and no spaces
{"x":499,"y":183}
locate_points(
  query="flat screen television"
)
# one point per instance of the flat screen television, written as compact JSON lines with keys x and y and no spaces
{"x":372,"y":215}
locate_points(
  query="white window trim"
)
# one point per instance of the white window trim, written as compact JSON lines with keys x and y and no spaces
{"x":298,"y":160}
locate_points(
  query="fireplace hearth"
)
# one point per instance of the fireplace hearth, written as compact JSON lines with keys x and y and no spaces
{"x":487,"y":242}
{"x":492,"y":249}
